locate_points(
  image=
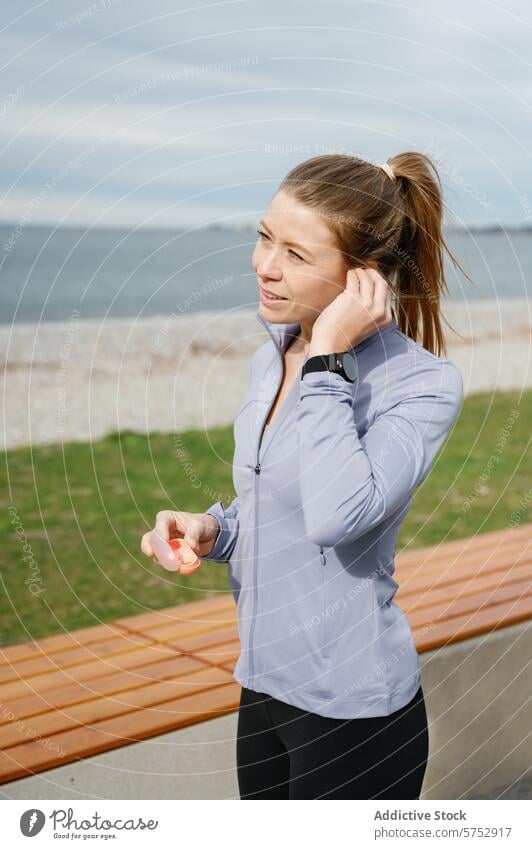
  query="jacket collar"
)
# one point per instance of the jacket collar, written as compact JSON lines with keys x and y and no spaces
{"x":281,"y":334}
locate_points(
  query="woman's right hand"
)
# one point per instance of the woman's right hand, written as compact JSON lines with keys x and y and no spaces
{"x":199,"y":530}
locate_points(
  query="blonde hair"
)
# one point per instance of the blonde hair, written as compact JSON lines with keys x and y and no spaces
{"x":393,"y":222}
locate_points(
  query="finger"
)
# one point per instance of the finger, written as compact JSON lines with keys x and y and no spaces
{"x":367,"y":284}
{"x":145,"y":546}
{"x":192,"y":535}
{"x":162,"y":523}
{"x":352,"y":281}
{"x":162,"y":529}
{"x":382,"y":291}
{"x":192,"y":540}
{"x":381,"y":285}
{"x":167,"y":522}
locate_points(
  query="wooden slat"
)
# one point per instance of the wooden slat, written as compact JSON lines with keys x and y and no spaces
{"x":119,"y":628}
{"x":226,"y":654}
{"x":477,"y":547}
{"x":482,"y":622}
{"x":425,"y":576}
{"x":120,"y":704}
{"x":200,"y":645}
{"x":85,"y":671}
{"x":30,"y":758}
{"x":166,"y":616}
{"x":470,"y":604}
{"x":491,"y":560}
{"x":105,"y":685}
{"x":189,"y":627}
{"x":59,"y":642}
{"x":415,"y":595}
{"x":71,"y":657}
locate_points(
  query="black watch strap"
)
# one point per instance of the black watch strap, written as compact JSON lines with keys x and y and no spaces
{"x":320,"y":362}
{"x":333,"y":362}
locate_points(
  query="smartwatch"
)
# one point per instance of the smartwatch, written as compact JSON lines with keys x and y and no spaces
{"x":343,"y":364}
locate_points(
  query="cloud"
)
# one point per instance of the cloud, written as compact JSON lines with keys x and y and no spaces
{"x":182,"y":102}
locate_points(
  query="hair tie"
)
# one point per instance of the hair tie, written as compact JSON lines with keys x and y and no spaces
{"x":388,"y":170}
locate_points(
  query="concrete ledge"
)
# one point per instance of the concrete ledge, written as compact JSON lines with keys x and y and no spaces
{"x":480,"y":724}
{"x":476,"y":693}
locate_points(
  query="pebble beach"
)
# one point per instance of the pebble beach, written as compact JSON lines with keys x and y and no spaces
{"x":78,"y":380}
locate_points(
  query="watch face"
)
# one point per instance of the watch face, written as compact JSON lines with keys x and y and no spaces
{"x":349,"y":365}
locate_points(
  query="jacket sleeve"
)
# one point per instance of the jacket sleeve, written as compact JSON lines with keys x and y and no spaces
{"x":228,"y":520}
{"x":349,"y":484}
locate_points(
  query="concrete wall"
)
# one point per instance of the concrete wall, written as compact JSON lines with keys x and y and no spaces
{"x":479,"y":721}
{"x":479,"y":737}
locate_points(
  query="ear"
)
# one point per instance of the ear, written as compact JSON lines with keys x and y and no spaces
{"x":371,"y":263}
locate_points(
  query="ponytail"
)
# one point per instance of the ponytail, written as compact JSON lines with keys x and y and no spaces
{"x":390,"y":216}
{"x":420,"y":251}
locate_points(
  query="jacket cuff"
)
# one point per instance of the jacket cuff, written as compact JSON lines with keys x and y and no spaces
{"x":325,"y":383}
{"x":225,"y":541}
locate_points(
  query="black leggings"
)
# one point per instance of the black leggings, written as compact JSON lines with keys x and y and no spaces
{"x":284,"y":752}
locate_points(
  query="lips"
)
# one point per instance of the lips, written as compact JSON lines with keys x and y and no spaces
{"x":273,"y":295}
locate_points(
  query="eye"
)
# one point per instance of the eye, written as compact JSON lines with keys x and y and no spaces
{"x":296,"y":255}
{"x":293,"y":253}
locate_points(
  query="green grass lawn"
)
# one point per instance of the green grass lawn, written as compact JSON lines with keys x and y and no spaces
{"x":84,"y":507}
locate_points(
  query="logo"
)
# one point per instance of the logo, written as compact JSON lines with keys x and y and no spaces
{"x":31,"y":822}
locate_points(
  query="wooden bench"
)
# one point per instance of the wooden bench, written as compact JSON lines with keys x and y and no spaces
{"x":76,"y":694}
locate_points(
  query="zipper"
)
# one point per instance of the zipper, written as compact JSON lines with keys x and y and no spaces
{"x":257,"y":469}
{"x":326,"y":650}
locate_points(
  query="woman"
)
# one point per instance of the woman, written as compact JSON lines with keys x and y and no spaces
{"x":328,"y":453}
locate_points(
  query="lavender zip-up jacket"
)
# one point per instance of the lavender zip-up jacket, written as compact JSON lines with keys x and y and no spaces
{"x":310,"y":538}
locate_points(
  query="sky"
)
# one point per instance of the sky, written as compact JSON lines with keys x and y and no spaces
{"x":184,"y":114}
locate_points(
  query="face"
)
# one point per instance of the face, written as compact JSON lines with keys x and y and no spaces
{"x":296,"y":257}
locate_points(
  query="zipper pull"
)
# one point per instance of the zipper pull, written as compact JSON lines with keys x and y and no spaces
{"x":323,"y":560}
{"x":256,"y":468}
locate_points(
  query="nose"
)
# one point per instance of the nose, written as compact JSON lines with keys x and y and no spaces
{"x":269,"y":268}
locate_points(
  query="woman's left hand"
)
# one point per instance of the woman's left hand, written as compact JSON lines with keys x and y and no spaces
{"x":362,"y":308}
